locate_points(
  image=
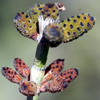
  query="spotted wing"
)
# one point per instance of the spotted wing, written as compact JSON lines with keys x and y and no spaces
{"x":53,"y":69}
{"x":53,"y":86}
{"x":68,"y":75}
{"x":60,"y":82}
{"x":11,"y":75}
{"x":26,"y":23}
{"x":76,"y":26}
{"x":50,"y":10}
{"x":21,"y":67}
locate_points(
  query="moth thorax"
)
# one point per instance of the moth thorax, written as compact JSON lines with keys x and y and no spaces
{"x":53,"y":33}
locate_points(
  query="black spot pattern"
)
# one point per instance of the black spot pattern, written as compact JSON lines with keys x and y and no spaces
{"x":57,"y":66}
{"x":74,"y":20}
{"x":9,"y":72}
{"x":84,"y":18}
{"x":19,"y":63}
{"x":76,"y":70}
{"x":78,"y":16}
{"x":68,"y":33}
{"x":71,"y":26}
{"x":74,"y":33}
{"x":78,"y":29}
{"x":40,"y":8}
{"x":26,"y":16}
{"x":53,"y":10}
{"x":64,"y":25}
{"x":70,"y":78}
{"x":61,"y":74}
{"x":64,"y":84}
{"x":88,"y":25}
{"x":68,"y":19}
{"x":81,"y":24}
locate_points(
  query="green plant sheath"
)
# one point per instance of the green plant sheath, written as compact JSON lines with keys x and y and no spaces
{"x":39,"y":62}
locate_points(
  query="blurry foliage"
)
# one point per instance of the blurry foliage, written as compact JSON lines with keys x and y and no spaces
{"x":84,"y":53}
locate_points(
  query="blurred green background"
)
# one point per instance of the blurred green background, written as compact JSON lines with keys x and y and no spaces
{"x":83,"y":53}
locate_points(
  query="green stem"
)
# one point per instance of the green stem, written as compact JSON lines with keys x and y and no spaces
{"x":41,"y":54}
{"x":36,"y":97}
{"x":39,"y":65}
{"x":29,"y":98}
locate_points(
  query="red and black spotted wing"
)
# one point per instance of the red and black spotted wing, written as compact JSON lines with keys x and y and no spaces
{"x":53,"y":69}
{"x":21,"y":67}
{"x":27,"y":22}
{"x":11,"y":75}
{"x":68,"y":75}
{"x":60,"y":82}
{"x":25,"y":87}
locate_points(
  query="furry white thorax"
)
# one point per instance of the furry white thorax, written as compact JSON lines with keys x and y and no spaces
{"x":43,"y":23}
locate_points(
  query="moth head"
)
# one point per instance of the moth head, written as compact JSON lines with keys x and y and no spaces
{"x":53,"y":34}
{"x":60,"y":6}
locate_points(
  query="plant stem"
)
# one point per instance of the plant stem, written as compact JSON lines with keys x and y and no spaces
{"x":37,"y":70}
{"x":29,"y":98}
{"x":41,"y":53}
{"x":36,"y":97}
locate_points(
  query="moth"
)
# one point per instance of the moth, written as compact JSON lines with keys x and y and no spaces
{"x":30,"y":24}
{"x":27,"y":22}
{"x":25,"y":87}
{"x":53,"y":81}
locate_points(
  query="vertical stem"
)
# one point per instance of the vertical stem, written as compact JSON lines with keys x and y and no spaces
{"x":41,"y":53}
{"x":36,"y":97}
{"x":37,"y":70}
{"x":29,"y":98}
